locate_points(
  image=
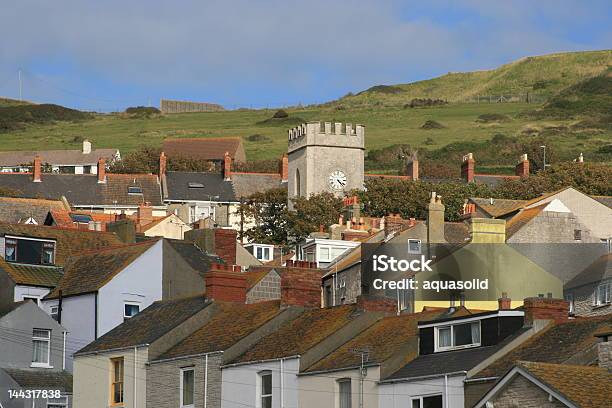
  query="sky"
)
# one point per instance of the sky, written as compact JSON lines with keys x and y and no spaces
{"x":108,"y":55}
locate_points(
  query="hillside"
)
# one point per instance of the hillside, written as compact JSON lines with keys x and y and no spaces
{"x":16,"y":116}
{"x":540,"y":76}
{"x":4,"y":102}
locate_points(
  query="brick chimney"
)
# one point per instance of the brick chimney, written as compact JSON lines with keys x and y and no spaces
{"x":144,"y":214}
{"x":467,"y":167}
{"x":435,"y":219}
{"x":225,"y":244}
{"x":163,"y":164}
{"x":604,"y":347}
{"x":227,"y":166}
{"x":226,"y":283}
{"x":301,"y":285}
{"x":522,"y":168}
{"x":412,"y":167}
{"x":395,"y":223}
{"x":504,"y":302}
{"x":37,"y":170}
{"x":284,"y":168}
{"x":545,"y":308}
{"x":101,"y":170}
{"x":372,"y":303}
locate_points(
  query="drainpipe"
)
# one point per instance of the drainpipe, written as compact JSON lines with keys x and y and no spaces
{"x":135,"y":351}
{"x":205,"y":380}
{"x":282,"y":384}
{"x":64,"y":353}
{"x":446,"y":391}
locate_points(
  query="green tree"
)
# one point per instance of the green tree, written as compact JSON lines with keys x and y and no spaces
{"x":268,"y":210}
{"x":310,"y":213}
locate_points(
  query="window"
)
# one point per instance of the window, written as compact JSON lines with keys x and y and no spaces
{"x":570,"y":299}
{"x":32,"y":298}
{"x":48,"y":253}
{"x":265,"y":389}
{"x":41,"y":342}
{"x":577,"y":235}
{"x":187,"y":387}
{"x":344,"y":393}
{"x":10,"y":249}
{"x":54,"y":312}
{"x":603,"y":294}
{"x":414,"y":246}
{"x":117,"y":381}
{"x":431,"y":401}
{"x":134,"y":190}
{"x":458,"y":336}
{"x":57,"y":402}
{"x":324,"y":253}
{"x":130,"y":310}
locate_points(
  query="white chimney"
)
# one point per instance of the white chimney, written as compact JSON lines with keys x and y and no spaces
{"x":86,"y":146}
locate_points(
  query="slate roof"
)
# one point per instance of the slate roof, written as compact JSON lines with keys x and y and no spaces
{"x":229,"y":324}
{"x":32,"y":275}
{"x":205,"y":148}
{"x":586,"y":387}
{"x":29,"y":378}
{"x":456,"y":232}
{"x":599,"y":270}
{"x":300,"y":334}
{"x":382,"y":340}
{"x":177,"y":183}
{"x":19,"y":210}
{"x":556,"y":345}
{"x":83,"y":190}
{"x":246,"y":184}
{"x":196,"y":258}
{"x":498,"y":207}
{"x":87,"y":273}
{"x":150,"y":324}
{"x":59,"y":157}
{"x":450,"y":361}
{"x":69,"y":242}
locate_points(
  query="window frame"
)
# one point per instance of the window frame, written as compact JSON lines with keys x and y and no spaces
{"x":45,"y":246}
{"x":127,"y":303}
{"x":53,"y":404}
{"x":182,"y":386}
{"x":53,"y":315}
{"x":597,"y":301}
{"x":42,"y":339}
{"x":14,"y":244}
{"x":438,"y":348}
{"x":420,"y":398}
{"x":34,"y":298}
{"x":113,"y":361}
{"x":577,"y":235}
{"x":260,"y":390}
{"x":418,"y":241}
{"x":340,"y":382}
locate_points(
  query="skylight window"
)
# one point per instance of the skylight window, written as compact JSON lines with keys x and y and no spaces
{"x":195,"y":185}
{"x":81,"y":218}
{"x":134,"y":190}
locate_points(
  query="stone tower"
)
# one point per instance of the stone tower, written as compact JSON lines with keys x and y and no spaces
{"x":322,"y":158}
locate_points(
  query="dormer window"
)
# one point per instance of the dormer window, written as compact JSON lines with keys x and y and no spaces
{"x":457,"y":336}
{"x":29,"y":250}
{"x":134,"y":190}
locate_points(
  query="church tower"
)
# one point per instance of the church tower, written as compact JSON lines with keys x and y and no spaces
{"x":322,"y":158}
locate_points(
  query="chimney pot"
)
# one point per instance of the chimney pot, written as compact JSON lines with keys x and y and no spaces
{"x":86,"y":147}
{"x":522,"y":168}
{"x":467,"y":168}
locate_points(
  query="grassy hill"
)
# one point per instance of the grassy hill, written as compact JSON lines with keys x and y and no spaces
{"x":4,"y":102}
{"x":17,"y":116}
{"x":541,"y":77}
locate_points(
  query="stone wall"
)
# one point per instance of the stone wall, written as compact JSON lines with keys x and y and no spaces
{"x":267,"y":288}
{"x":583,"y":301}
{"x":520,"y":392}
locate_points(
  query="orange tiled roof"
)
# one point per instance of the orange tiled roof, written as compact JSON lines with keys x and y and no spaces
{"x":521,"y":219}
{"x":204,"y":148}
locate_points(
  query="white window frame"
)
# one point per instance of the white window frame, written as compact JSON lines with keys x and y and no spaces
{"x":52,"y":313}
{"x":260,"y":394}
{"x":437,"y":348}
{"x":420,"y":399}
{"x":182,"y":373}
{"x":13,"y":243}
{"x":418,"y":241}
{"x":56,"y":403}
{"x":607,"y":299}
{"x":339,"y":383}
{"x":35,"y":298}
{"x":125,"y":317}
{"x":42,"y":253}
{"x":42,"y":339}
{"x":328,"y":249}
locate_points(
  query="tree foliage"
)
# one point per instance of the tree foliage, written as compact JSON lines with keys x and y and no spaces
{"x":146,"y":160}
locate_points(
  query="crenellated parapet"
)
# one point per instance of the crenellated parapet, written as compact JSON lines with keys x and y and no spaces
{"x":326,"y":134}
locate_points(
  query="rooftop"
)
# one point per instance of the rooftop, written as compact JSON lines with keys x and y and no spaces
{"x":204,"y":148}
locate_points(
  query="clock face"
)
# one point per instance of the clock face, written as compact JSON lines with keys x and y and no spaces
{"x":337,"y":180}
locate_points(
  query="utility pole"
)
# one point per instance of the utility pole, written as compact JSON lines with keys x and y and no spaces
{"x":20,"y":87}
{"x":363,"y":371}
{"x":544,"y":157}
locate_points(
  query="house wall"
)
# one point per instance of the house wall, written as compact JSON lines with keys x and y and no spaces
{"x":520,"y":392}
{"x":79,"y":319}
{"x":398,"y":395}
{"x":172,"y":227}
{"x":321,"y":390}
{"x":7,"y":290}
{"x":140,"y":282}
{"x":583,"y":301}
{"x":92,"y":376}
{"x":179,"y":278}
{"x":240,"y":384}
{"x":17,"y":326}
{"x":163,"y":381}
{"x":34,"y":291}
{"x":268,"y":288}
{"x":351,"y":278}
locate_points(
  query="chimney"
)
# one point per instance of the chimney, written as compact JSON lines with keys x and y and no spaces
{"x":86,"y":146}
{"x":225,"y":242}
{"x":541,"y":308}
{"x":301,"y":285}
{"x":163,"y":164}
{"x":372,"y":303}
{"x":37,"y":169}
{"x":487,"y":230}
{"x":101,"y":170}
{"x":604,"y":347}
{"x":144,"y":214}
{"x":124,"y":228}
{"x":225,"y":283}
{"x":284,"y":168}
{"x":412,"y":167}
{"x":467,"y":168}
{"x":435,"y":219}
{"x":504,"y":302}
{"x":522,"y":168}
{"x":227,"y":166}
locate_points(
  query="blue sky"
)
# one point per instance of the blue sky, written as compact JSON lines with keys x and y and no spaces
{"x":107,"y":55}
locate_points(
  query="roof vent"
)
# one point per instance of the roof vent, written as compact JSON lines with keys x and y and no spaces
{"x":192,"y":184}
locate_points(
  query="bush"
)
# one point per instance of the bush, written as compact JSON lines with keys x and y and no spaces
{"x":142,"y":111}
{"x":492,"y":117}
{"x":432,"y":124}
{"x":257,"y":138}
{"x":16,"y":117}
{"x":280,"y":114}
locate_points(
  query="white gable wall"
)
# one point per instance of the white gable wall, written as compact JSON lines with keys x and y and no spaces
{"x":400,"y":394}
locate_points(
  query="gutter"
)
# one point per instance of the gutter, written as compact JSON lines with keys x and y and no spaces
{"x":422,"y":377}
{"x":165,"y":360}
{"x":259,"y":361}
{"x":96,"y":352}
{"x":335,"y":370}
{"x":478,"y":380}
